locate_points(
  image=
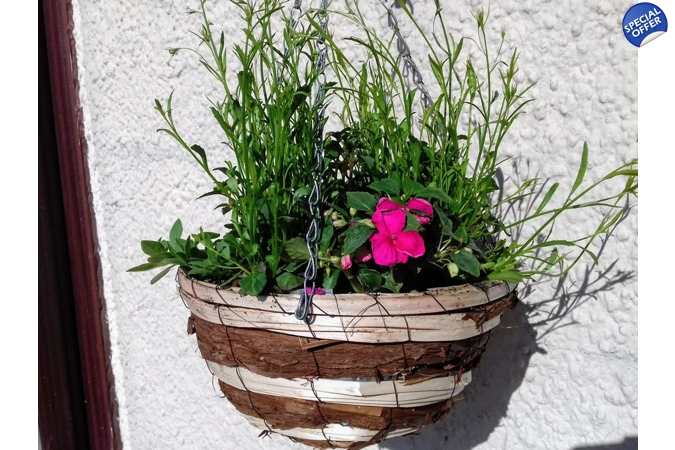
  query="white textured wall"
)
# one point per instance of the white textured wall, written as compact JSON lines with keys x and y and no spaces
{"x":561,"y":373}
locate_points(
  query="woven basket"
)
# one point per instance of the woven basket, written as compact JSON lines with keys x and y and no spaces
{"x":366,"y":368}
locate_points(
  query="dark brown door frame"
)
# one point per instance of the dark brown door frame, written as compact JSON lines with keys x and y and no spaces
{"x":76,"y":402}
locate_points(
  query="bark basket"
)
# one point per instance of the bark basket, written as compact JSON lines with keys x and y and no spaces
{"x":367,"y":367}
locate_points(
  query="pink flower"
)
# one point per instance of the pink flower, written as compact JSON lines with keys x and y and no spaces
{"x":362,"y":254}
{"x":393,"y":245}
{"x":420,"y":208}
{"x":346,"y":262}
{"x":317,"y":291}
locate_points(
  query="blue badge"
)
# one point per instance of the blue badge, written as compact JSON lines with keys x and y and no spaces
{"x":643,"y":23}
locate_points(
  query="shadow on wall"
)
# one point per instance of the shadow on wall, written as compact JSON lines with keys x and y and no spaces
{"x":630,"y":443}
{"x":503,"y":365}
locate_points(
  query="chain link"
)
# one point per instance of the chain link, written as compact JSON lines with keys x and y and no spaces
{"x":408,"y":63}
{"x":296,"y":13}
{"x":314,"y":233}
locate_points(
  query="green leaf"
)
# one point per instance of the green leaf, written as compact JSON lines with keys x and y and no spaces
{"x":371,"y":280}
{"x":253,"y":283}
{"x":355,"y":237}
{"x":145,"y":267}
{"x":159,"y":258}
{"x":233,"y":185}
{"x":291,"y":267}
{"x":152,"y":248}
{"x":288,"y":223}
{"x":369,"y":160}
{"x":592,"y":255}
{"x":411,"y":223}
{"x":547,"y":198}
{"x":295,"y":250}
{"x":219,"y":118}
{"x":554,"y":243}
{"x":412,"y":188}
{"x":461,"y":234}
{"x":466,"y":262}
{"x":176,"y":231}
{"x":200,"y":271}
{"x":210,"y":193}
{"x":509,"y":277}
{"x":301,"y":193}
{"x":326,"y":234}
{"x":626,"y":172}
{"x":582,"y":169}
{"x":188,"y":246}
{"x":472,"y":245}
{"x":458,"y":49}
{"x":552,"y":259}
{"x":330,"y":281}
{"x":299,"y":97}
{"x":390,"y":283}
{"x":614,"y":220}
{"x":287,"y":281}
{"x":200,"y":151}
{"x":261,"y":267}
{"x":437,"y":69}
{"x":446,"y":224}
{"x":361,"y":201}
{"x":434,"y":193}
{"x":390,"y":186}
{"x":160,"y":275}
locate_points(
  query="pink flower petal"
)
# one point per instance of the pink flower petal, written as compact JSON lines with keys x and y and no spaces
{"x":379,"y":222}
{"x":317,"y":291}
{"x":346,"y":262}
{"x":384,"y":251}
{"x":422,"y":219}
{"x":401,"y":257}
{"x":386,"y":204}
{"x":394,"y":221}
{"x":410,"y":243}
{"x":420,"y":206}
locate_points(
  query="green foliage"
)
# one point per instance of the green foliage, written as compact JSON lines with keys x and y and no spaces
{"x":386,"y":147}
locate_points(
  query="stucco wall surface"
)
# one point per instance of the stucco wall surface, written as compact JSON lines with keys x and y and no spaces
{"x":561,"y":370}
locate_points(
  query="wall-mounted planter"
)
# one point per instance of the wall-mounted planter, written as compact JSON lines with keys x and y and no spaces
{"x":364,"y":369}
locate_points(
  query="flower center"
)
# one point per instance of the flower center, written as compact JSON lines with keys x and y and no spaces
{"x":393,"y":237}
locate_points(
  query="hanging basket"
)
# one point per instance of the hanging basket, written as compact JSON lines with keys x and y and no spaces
{"x":367,"y":367}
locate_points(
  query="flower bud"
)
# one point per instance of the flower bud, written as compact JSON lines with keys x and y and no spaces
{"x":352,"y":211}
{"x":368,"y":222}
{"x":453,"y":269}
{"x":363,"y":254}
{"x":346,"y":262}
{"x":335,"y":260}
{"x":339,"y":223}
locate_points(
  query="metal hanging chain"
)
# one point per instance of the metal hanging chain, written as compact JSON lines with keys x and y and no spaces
{"x":296,"y":13}
{"x":408,"y":63}
{"x":314,"y":233}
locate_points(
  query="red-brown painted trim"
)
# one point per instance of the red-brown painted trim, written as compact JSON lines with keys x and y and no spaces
{"x":92,"y":330}
{"x":62,"y":416}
